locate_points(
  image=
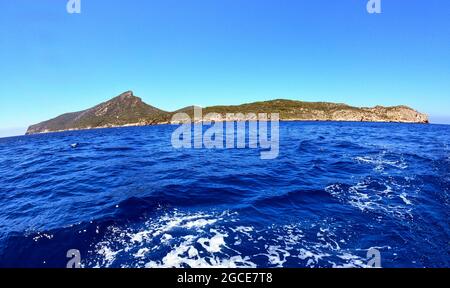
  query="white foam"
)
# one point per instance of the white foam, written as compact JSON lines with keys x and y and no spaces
{"x":214,"y":244}
{"x":380,"y":163}
{"x":202,"y":240}
{"x":406,"y":200}
{"x":388,"y":197}
{"x":199,"y":223}
{"x":108,"y":255}
{"x":42,"y":236}
{"x":192,"y":252}
{"x":277,"y":256}
{"x":141,"y":253}
{"x":313,"y":258}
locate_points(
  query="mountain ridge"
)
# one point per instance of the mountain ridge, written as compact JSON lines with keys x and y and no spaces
{"x":128,"y":110}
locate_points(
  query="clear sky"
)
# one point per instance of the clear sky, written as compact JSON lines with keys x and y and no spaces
{"x":175,"y":53}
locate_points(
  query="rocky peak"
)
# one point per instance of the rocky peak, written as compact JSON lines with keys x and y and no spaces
{"x":125,"y":99}
{"x":125,"y":95}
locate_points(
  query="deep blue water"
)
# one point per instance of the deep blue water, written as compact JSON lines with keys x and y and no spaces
{"x":125,"y":198}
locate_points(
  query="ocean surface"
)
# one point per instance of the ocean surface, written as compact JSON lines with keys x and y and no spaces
{"x":125,"y":198}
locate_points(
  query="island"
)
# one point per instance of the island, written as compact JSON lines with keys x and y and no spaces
{"x":129,"y":110}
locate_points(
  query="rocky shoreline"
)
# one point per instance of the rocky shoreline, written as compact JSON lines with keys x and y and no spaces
{"x":127,"y":110}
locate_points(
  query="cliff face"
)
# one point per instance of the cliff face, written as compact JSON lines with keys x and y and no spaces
{"x":321,"y":111}
{"x":128,"y":110}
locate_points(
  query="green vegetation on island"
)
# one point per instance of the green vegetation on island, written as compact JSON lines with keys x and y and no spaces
{"x":129,"y":110}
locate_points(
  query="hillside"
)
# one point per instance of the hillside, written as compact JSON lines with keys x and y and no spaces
{"x":129,"y":110}
{"x":123,"y":110}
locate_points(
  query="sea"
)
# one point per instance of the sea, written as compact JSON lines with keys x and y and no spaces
{"x":338,"y":195}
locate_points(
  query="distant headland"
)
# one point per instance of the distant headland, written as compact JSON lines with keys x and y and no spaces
{"x":129,"y":110}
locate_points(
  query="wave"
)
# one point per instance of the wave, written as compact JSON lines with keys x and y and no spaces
{"x":199,"y":240}
{"x":126,"y":198}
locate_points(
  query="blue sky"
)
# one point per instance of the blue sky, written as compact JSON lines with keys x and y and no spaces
{"x":175,"y":53}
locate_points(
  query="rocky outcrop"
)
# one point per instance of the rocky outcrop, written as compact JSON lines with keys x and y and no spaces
{"x":129,"y":110}
{"x":321,"y":111}
{"x":123,"y":110}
